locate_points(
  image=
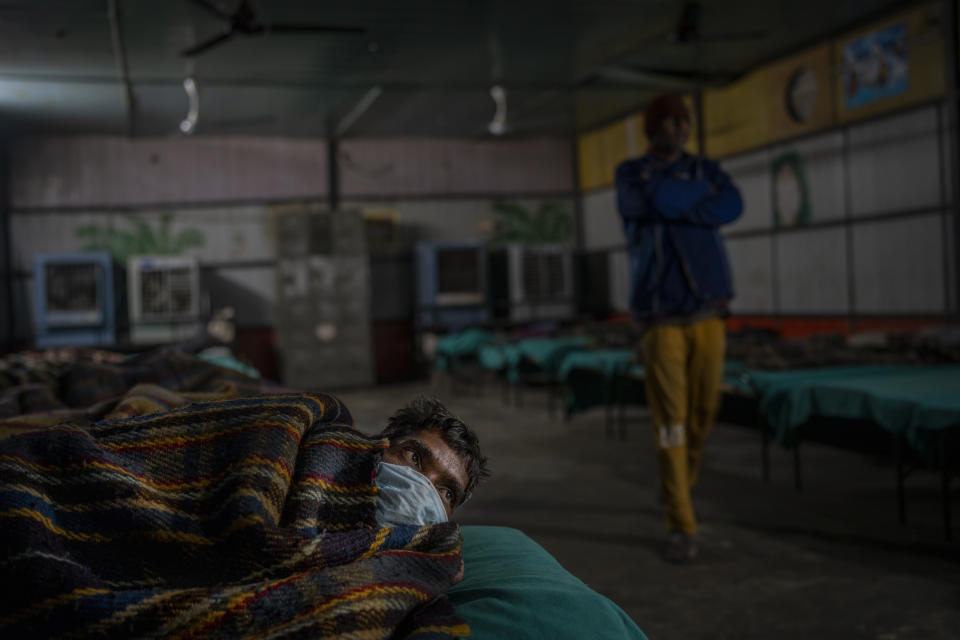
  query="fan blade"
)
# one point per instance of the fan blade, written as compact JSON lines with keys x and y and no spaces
{"x":731,"y":37}
{"x":283,"y":27}
{"x":212,"y":8}
{"x":650,"y":78}
{"x":200,"y":47}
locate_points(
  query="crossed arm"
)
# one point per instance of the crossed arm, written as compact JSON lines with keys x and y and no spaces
{"x":710,"y":201}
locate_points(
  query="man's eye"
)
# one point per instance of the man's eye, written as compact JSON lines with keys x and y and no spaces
{"x":413,"y":457}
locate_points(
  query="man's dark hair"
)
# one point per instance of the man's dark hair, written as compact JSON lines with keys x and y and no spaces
{"x":423,"y":414}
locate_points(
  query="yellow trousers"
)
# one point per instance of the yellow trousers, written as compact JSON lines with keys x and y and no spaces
{"x":683,"y":370}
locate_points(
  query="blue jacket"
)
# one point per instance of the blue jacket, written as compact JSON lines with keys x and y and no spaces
{"x":671,"y":215}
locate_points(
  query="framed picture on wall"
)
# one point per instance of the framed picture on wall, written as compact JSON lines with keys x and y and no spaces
{"x":875,"y":66}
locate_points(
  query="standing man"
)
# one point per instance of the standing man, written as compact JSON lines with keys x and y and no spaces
{"x":672,"y":204}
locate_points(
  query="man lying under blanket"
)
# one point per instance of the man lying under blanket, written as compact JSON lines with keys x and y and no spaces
{"x":261,"y":516}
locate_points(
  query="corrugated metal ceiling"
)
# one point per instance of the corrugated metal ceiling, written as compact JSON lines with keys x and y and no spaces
{"x":434,"y":61}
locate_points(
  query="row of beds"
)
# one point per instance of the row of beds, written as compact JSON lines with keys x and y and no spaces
{"x":916,"y":404}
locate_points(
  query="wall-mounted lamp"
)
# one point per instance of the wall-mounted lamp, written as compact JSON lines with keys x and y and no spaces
{"x":498,"y":126}
{"x":193,"y":111}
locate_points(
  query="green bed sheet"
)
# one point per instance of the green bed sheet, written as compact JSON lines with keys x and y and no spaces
{"x":543,"y":355}
{"x":588,"y":378}
{"x":917,"y":402}
{"x":604,"y":361}
{"x":494,"y":356}
{"x":513,"y":588}
{"x":454,"y":346}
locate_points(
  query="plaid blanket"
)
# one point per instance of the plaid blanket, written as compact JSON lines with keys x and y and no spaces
{"x":244,"y":517}
{"x":83,"y":379}
{"x":84,"y":385}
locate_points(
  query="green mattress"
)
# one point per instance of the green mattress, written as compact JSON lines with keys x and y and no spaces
{"x":513,"y":588}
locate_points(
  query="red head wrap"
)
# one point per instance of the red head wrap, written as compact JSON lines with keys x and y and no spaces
{"x":667,"y":105}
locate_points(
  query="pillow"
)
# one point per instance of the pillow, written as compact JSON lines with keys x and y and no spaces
{"x":513,"y":588}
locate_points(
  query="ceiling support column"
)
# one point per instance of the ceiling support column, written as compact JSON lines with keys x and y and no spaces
{"x":333,"y":168}
{"x":123,"y":69}
{"x":579,"y":237}
{"x":6,"y":253}
{"x":951,"y":51}
{"x":701,"y":128}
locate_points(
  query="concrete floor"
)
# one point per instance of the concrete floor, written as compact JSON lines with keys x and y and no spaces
{"x":828,"y":562}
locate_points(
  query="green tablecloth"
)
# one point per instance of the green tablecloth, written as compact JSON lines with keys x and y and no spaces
{"x":916,"y":401}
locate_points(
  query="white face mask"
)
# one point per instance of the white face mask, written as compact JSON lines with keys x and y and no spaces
{"x":406,"y":497}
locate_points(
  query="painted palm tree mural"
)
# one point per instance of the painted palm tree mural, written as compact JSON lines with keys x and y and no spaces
{"x":141,"y":239}
{"x":550,"y":222}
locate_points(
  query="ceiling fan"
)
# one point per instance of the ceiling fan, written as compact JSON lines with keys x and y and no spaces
{"x":244,"y":22}
{"x":686,"y":31}
{"x":687,"y":28}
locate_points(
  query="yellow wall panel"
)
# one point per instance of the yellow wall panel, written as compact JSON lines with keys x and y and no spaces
{"x":599,"y":153}
{"x":737,"y":117}
{"x":801,"y":93}
{"x":924,"y":48}
{"x":615,"y":149}
{"x":636,"y":138}
{"x":588,"y":156}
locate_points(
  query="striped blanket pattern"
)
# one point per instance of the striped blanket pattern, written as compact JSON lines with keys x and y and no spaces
{"x":251,"y":517}
{"x":84,"y":384}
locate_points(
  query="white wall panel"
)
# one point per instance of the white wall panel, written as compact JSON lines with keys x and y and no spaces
{"x":109,"y":170}
{"x":898,"y":265}
{"x":601,"y":220}
{"x":230,"y":234}
{"x":894,"y":163}
{"x":950,"y":261}
{"x":750,"y":261}
{"x":946,"y":133}
{"x":751,"y":173}
{"x":225,"y":234}
{"x":49,"y":232}
{"x":417,"y":166}
{"x":455,"y":220}
{"x":23,"y":308}
{"x":812,"y":271}
{"x":619,"y":280}
{"x":822,"y":158}
{"x":105,"y":170}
